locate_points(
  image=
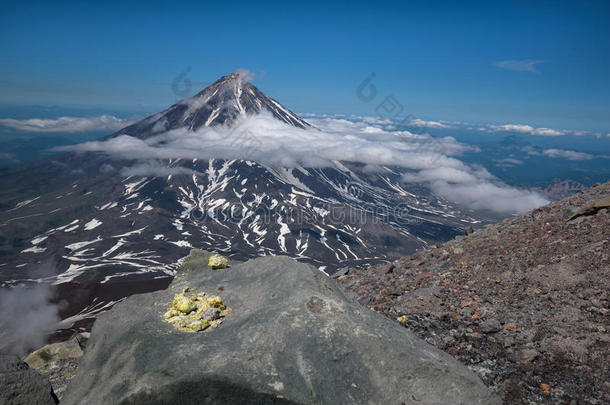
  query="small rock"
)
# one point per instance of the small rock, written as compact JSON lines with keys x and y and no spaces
{"x":491,"y":326}
{"x":385,"y":268}
{"x":343,"y":271}
{"x":508,"y":341}
{"x":526,"y":356}
{"x":211,"y":314}
{"x":467,"y":311}
{"x":510,"y":327}
{"x":218,"y":262}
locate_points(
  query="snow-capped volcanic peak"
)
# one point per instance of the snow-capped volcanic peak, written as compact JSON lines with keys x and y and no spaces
{"x":231,"y":96}
{"x":218,"y":104}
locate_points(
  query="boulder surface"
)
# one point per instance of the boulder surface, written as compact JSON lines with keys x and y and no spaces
{"x":289,"y":337}
{"x":21,"y":385}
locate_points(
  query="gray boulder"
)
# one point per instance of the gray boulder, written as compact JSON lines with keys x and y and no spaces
{"x":21,"y":385}
{"x":291,"y":337}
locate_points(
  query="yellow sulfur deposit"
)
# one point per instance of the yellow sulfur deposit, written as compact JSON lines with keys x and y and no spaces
{"x":218,"y":262}
{"x":402,"y":320}
{"x":182,"y":304}
{"x":195,"y":312}
{"x":216,"y":302}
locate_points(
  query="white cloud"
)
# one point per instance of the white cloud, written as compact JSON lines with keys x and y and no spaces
{"x":244,"y":74}
{"x":428,"y":124}
{"x":508,"y":162}
{"x":448,"y":174}
{"x":26,"y":317}
{"x":106,"y":168}
{"x":525,"y":129}
{"x":562,"y":153}
{"x":567,"y":154}
{"x":375,"y":120}
{"x":155,"y":169}
{"x":476,"y":188}
{"x":580,"y":132}
{"x":271,"y":142}
{"x":489,"y":195}
{"x":67,"y":124}
{"x":527,"y":65}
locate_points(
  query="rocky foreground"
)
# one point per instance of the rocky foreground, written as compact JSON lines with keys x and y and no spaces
{"x":288,"y":336}
{"x":524,"y":303}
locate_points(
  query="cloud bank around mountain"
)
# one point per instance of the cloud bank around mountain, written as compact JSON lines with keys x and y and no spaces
{"x":156,"y":169}
{"x":67,"y":124}
{"x":266,"y":140}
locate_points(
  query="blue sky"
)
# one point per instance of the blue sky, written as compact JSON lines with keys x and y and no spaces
{"x":538,"y":63}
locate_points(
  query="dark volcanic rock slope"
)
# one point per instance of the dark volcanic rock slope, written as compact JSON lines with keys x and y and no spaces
{"x":524,"y":302}
{"x":290,"y":337}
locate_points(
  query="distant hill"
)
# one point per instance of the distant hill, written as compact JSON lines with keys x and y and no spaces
{"x":561,"y":189}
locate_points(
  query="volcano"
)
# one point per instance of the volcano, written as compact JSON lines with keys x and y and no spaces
{"x":77,"y":222}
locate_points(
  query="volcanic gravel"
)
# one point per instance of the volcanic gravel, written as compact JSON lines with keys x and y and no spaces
{"x":524,"y":302}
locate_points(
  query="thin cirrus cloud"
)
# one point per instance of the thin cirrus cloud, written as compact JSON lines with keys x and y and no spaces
{"x":526,"y":65}
{"x":273,"y":143}
{"x":67,"y":124}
